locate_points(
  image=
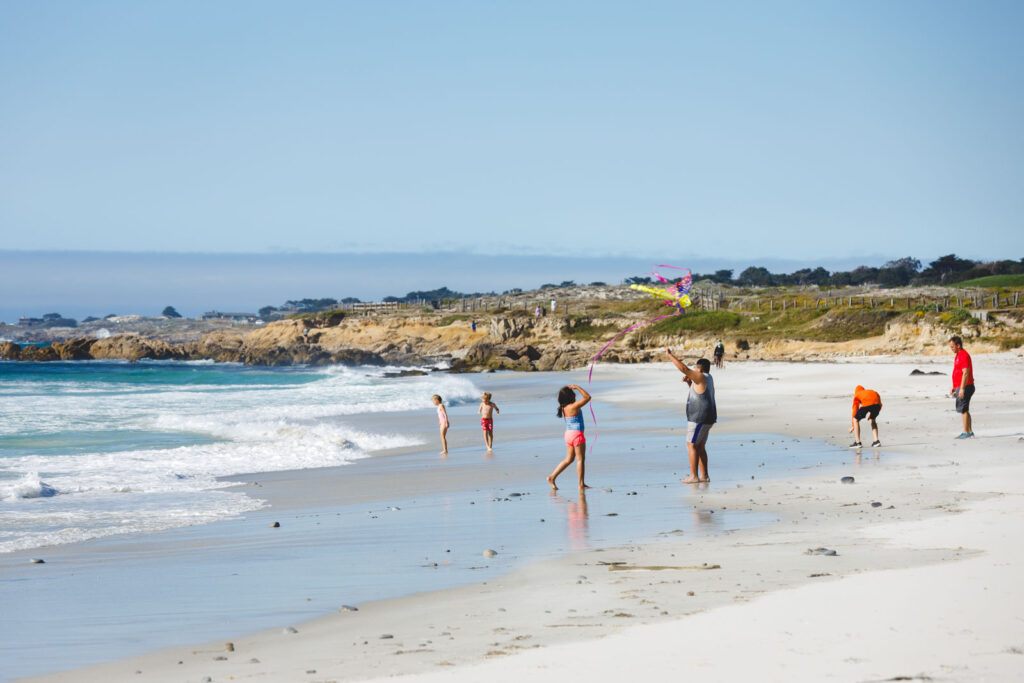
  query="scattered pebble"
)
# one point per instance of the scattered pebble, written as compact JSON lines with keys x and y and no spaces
{"x":847,"y":480}
{"x":348,"y":608}
{"x":490,"y":553}
{"x":230,"y":647}
{"x":275,"y":525}
{"x":820,"y":551}
{"x":254,"y":661}
{"x":386,"y":636}
{"x":689,"y":593}
{"x":220,"y":658}
{"x":876,"y":504}
{"x":289,"y":629}
{"x":37,"y":560}
{"x":313,"y":671}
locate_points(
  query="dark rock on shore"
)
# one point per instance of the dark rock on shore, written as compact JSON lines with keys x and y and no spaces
{"x":10,"y":351}
{"x":74,"y":349}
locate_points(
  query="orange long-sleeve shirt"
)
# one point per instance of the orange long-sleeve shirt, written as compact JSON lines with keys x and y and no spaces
{"x":865,"y":397}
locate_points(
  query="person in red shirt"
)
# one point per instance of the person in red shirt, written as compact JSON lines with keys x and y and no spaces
{"x":866,"y":403}
{"x":963,"y":384}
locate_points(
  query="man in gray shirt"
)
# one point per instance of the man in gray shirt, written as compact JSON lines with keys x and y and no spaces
{"x":701,"y":414}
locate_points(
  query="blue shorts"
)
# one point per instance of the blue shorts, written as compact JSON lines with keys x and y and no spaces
{"x":697,"y":433}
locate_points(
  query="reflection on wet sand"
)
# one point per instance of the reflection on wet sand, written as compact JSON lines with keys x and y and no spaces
{"x":579,"y":536}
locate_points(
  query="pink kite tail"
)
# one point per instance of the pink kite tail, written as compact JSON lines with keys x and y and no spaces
{"x":590,"y":375}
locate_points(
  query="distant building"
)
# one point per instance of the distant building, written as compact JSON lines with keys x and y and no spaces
{"x":31,"y":322}
{"x":234,"y":317}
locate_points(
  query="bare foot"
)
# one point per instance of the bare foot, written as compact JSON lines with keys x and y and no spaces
{"x":584,"y":486}
{"x":444,"y":452}
{"x":704,"y":480}
{"x":690,"y":480}
{"x":551,"y":480}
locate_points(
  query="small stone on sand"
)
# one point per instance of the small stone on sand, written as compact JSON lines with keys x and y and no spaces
{"x":847,"y":480}
{"x":275,"y":525}
{"x":876,"y":504}
{"x":386,"y":636}
{"x":289,"y":629}
{"x":490,"y":553}
{"x":348,"y":608}
{"x":37,"y":560}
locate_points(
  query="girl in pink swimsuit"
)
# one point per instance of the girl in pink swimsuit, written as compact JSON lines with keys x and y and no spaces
{"x":442,"y":421}
{"x":575,"y":443}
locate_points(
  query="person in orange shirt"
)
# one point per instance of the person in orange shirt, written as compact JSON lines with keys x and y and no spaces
{"x":866,"y":403}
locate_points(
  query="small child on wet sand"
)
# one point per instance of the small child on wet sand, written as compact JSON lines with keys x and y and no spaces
{"x":442,"y":420}
{"x":575,"y":443}
{"x":487,"y":411}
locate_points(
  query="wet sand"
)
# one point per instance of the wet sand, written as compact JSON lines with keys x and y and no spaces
{"x":922,"y":584}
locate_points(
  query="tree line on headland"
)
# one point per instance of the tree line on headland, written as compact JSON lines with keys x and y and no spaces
{"x":945,"y":270}
{"x":907,"y":271}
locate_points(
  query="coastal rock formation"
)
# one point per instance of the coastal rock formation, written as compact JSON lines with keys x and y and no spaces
{"x":38,"y":353}
{"x":10,"y":351}
{"x":223,"y":346}
{"x":518,"y":340}
{"x":74,"y":349}
{"x":133,"y":347}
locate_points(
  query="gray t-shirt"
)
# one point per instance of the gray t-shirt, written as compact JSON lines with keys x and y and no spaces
{"x":701,"y":408}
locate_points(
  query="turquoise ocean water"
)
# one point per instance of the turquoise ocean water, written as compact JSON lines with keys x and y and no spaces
{"x":92,"y":449}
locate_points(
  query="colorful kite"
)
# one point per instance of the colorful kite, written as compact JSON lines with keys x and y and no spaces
{"x":675,"y":295}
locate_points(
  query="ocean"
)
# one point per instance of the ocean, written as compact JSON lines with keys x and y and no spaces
{"x":92,"y":449}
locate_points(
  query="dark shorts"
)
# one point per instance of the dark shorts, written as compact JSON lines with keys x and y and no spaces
{"x":963,"y":405}
{"x":867,"y":411}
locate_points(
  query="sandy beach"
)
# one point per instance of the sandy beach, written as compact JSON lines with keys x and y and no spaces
{"x":923,"y":584}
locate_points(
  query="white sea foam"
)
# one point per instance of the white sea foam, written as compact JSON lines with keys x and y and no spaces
{"x":251,"y":422}
{"x":29,"y":486}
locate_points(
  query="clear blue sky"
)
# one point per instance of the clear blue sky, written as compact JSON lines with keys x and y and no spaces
{"x":748,"y":130}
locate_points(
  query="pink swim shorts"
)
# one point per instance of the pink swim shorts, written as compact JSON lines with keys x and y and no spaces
{"x":486,"y":425}
{"x":574,"y":437}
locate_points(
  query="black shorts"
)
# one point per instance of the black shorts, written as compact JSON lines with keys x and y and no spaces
{"x":867,"y":411}
{"x":963,"y":405}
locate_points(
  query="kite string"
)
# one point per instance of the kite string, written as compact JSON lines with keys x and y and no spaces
{"x":590,"y":376}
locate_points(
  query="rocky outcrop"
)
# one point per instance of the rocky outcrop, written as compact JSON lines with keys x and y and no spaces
{"x":74,"y":349}
{"x":511,"y":341}
{"x":10,"y":351}
{"x":222,"y":346}
{"x":38,"y":353}
{"x":133,"y":347}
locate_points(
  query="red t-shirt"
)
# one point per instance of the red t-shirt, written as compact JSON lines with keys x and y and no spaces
{"x":961,"y":361}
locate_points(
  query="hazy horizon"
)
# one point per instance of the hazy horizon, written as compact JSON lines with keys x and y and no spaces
{"x":78,"y":284}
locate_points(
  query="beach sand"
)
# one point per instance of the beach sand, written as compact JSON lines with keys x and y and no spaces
{"x":924,"y":585}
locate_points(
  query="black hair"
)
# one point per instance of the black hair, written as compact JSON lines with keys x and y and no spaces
{"x":704,"y":364}
{"x":957,"y":340}
{"x":565,"y":397}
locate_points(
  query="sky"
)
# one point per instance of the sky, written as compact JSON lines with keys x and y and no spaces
{"x":683,"y":130}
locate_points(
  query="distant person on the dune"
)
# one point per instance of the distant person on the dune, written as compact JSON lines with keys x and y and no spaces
{"x":719,"y":353}
{"x":963,"y":384}
{"x":866,"y":403}
{"x":487,"y":411}
{"x":442,"y":421}
{"x":701,"y":415}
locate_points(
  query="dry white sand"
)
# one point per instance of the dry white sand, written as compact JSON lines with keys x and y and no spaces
{"x":925,"y":586}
